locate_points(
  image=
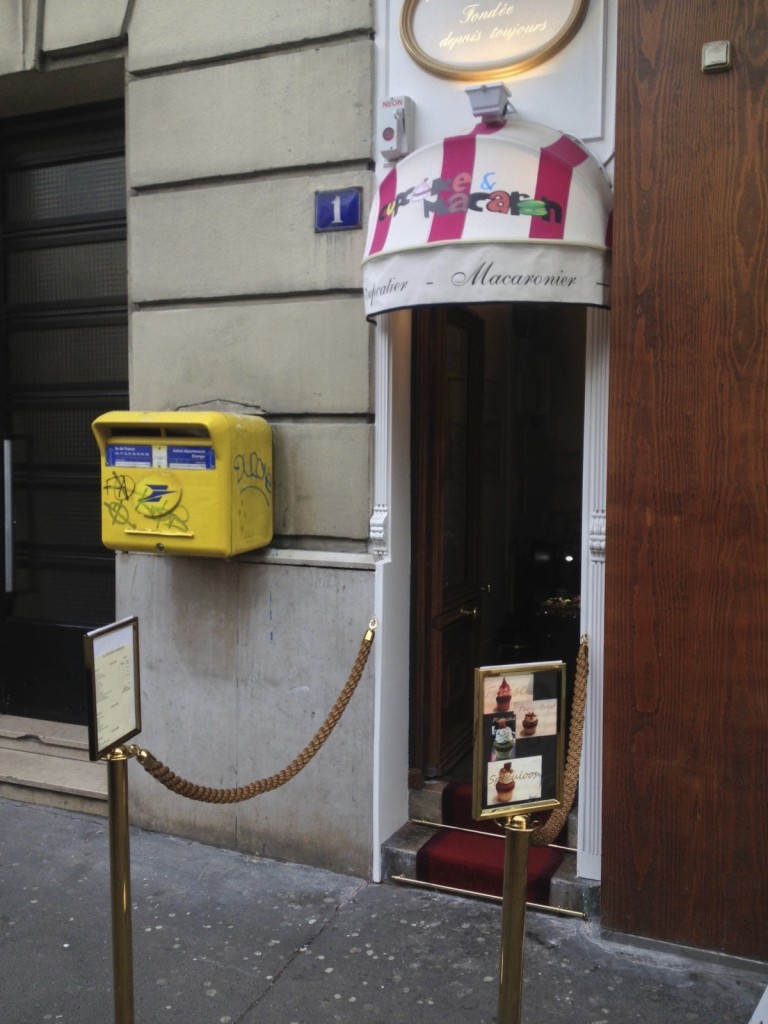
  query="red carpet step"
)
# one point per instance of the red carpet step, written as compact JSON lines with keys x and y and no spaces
{"x":476,"y":862}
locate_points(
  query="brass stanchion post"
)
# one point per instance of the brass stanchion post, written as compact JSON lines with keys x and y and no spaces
{"x":120,"y":884}
{"x":517,"y":836}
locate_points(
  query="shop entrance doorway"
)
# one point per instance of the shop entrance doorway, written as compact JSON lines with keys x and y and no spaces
{"x":497,"y":438}
{"x":64,"y":351}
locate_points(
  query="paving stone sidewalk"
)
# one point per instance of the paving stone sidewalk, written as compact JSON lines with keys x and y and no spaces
{"x":224,"y":938}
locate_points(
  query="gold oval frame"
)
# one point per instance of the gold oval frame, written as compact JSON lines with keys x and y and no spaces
{"x":490,"y":69}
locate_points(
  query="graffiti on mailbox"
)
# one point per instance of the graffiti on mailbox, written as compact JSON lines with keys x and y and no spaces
{"x":253,"y":474}
{"x":156,"y":502}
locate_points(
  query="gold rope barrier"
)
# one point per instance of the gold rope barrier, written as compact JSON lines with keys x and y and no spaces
{"x":207,"y":794}
{"x":557,"y":819}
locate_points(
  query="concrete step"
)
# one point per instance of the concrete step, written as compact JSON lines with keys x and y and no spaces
{"x":427,"y":803}
{"x":400,"y":850}
{"x":24,"y":733}
{"x":47,"y":763}
{"x":567,"y":891}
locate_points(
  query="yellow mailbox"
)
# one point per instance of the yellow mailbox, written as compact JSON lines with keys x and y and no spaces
{"x":185,"y":483}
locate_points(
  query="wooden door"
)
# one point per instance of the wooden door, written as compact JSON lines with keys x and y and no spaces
{"x":447,"y":605}
{"x":686,"y":702}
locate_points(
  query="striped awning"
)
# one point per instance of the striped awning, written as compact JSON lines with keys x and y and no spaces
{"x":515,"y":212}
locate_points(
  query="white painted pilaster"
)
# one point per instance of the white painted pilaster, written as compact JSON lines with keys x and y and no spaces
{"x":390,"y":537}
{"x":593,"y":588}
{"x":382,"y":439}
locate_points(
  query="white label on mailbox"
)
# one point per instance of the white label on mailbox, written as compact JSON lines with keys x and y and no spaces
{"x":136,"y":456}
{"x":190,"y":457}
{"x":160,"y":456}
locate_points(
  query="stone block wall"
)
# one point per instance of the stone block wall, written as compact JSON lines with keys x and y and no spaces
{"x":236,"y":114}
{"x":229,"y":135}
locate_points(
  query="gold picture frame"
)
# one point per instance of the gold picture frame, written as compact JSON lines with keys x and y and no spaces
{"x":519,"y":739}
{"x":432,"y":33}
{"x":114,"y":699}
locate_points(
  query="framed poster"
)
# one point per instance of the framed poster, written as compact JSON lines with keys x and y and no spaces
{"x":114,"y":702}
{"x":519,"y":739}
{"x":487,"y":39}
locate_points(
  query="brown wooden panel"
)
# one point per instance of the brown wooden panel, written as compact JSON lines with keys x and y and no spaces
{"x":447,"y":459}
{"x":686,"y":708}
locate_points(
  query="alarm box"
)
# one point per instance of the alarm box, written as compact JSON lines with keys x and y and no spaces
{"x":185,"y":483}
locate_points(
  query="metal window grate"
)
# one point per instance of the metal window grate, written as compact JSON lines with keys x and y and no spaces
{"x":85,"y":189}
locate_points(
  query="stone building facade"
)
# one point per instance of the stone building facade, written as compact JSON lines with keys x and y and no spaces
{"x":161,"y":161}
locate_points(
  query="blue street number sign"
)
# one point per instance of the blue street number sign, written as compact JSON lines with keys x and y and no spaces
{"x":340,"y":210}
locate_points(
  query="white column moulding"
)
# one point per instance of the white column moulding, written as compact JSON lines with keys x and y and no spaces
{"x":379,"y":525}
{"x":588,"y":857}
{"x":393,"y":573}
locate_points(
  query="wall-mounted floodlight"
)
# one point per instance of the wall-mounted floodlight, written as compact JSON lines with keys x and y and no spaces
{"x":490,"y":102}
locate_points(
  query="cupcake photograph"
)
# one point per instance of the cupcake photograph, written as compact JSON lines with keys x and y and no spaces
{"x":503,"y":696}
{"x":535,"y":718}
{"x":503,"y":740}
{"x":502,"y":690}
{"x":513,"y":781}
{"x":505,"y":784}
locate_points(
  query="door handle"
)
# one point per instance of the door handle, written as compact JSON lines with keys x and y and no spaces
{"x":8,"y":516}
{"x":470,"y":613}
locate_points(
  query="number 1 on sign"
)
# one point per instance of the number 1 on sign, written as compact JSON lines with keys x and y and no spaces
{"x":338,"y":210}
